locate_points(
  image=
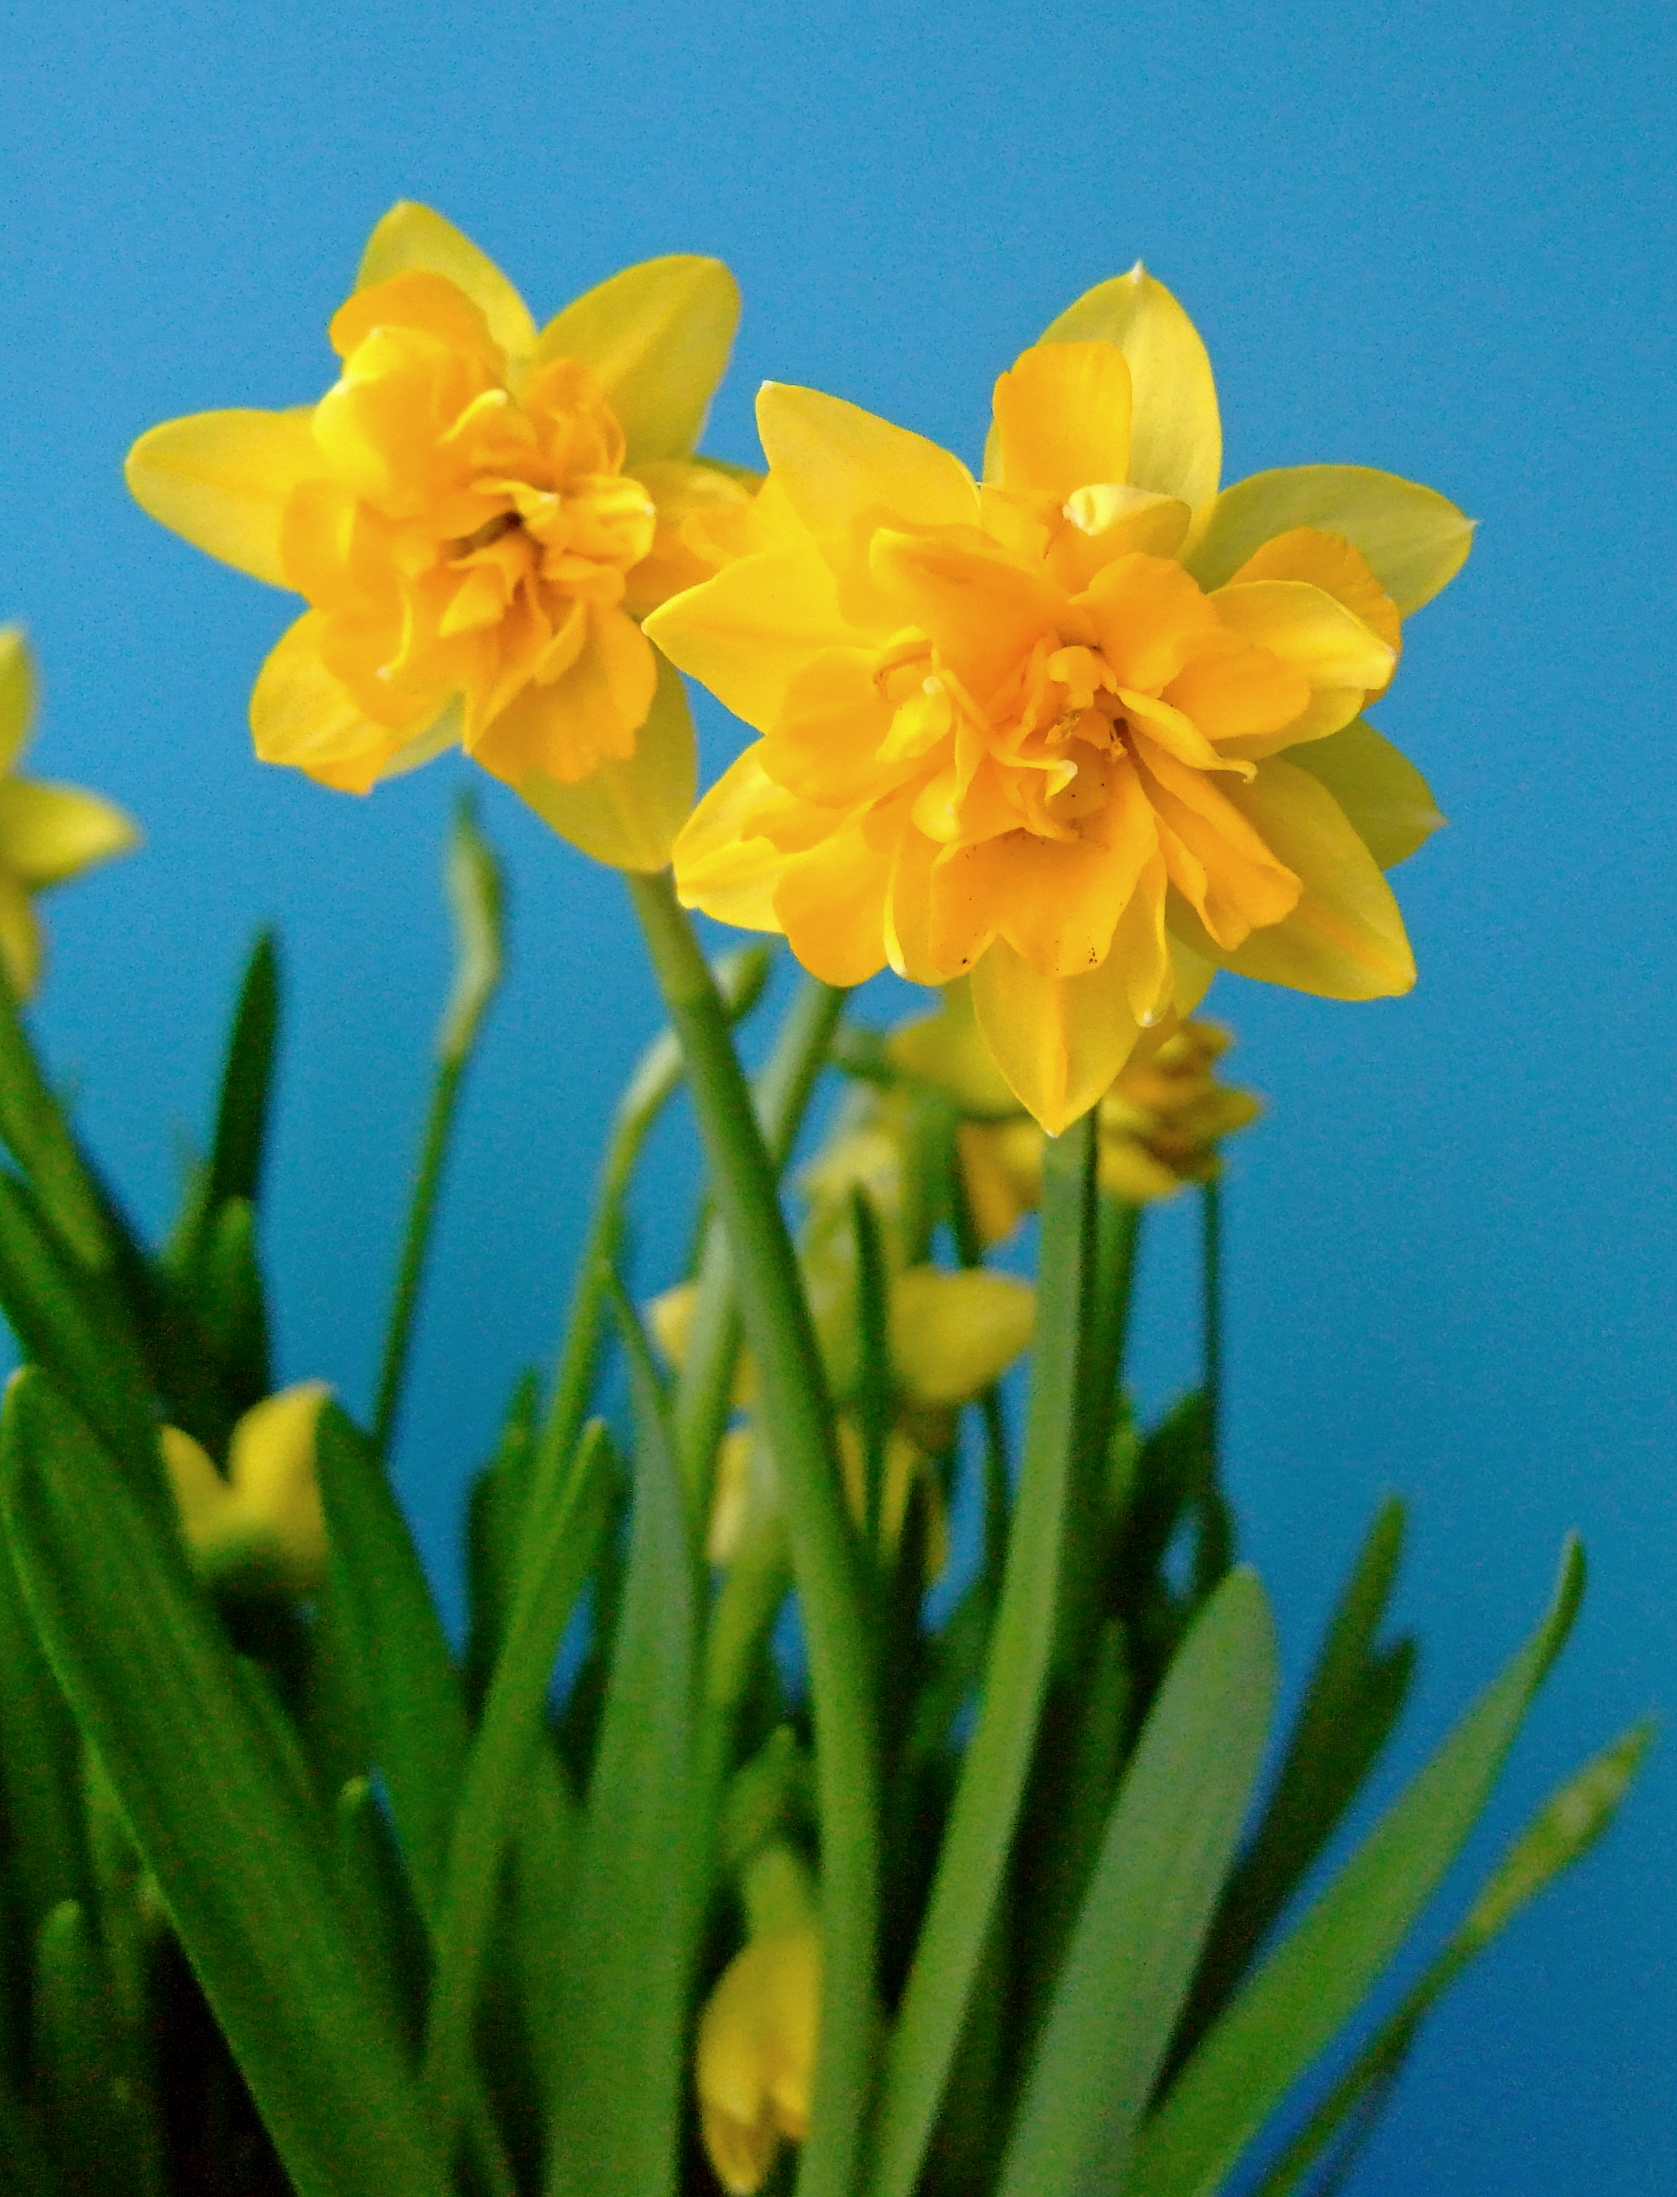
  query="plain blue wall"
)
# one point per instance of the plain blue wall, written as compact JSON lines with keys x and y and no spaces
{"x":1433,"y":238}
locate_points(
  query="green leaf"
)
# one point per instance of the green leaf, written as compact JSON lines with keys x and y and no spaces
{"x":1303,"y":1993}
{"x":40,"y":1769}
{"x":103,"y":2138}
{"x":979,"y":1838}
{"x":415,"y":1706}
{"x":241,"y":1122}
{"x":494,"y":1513}
{"x":629,"y":1946}
{"x":33,"y":1126}
{"x":68,"y":1321}
{"x":509,"y":1751}
{"x":232,"y":1305}
{"x":1167,"y":1848}
{"x":1353,"y":1700}
{"x":148,"y":1672}
{"x":1563,"y":1830}
{"x":378,"y":1901}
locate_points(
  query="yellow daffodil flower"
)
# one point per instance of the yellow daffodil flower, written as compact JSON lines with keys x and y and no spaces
{"x":1159,"y":1125}
{"x":756,"y":2055}
{"x":47,"y":833}
{"x":260,"y":1524}
{"x":478,"y":513}
{"x":1085,"y":729}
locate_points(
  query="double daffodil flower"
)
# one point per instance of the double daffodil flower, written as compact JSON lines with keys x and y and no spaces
{"x":47,"y":832}
{"x":478,"y":514}
{"x":1084,"y":730}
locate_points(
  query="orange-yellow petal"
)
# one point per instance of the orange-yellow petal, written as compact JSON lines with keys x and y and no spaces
{"x":301,"y":714}
{"x":1059,"y":1041}
{"x":1063,"y":418}
{"x":1305,"y":626}
{"x":628,"y":810}
{"x":724,"y":862}
{"x":748,"y":631}
{"x":1413,"y":539}
{"x":830,"y":902}
{"x":844,"y":469}
{"x":412,"y":236}
{"x":658,"y":336}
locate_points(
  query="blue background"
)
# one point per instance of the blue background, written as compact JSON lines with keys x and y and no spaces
{"x":1436,"y":239}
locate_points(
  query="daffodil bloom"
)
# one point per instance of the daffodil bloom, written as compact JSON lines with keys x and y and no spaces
{"x":1159,"y":1125}
{"x":478,"y":514}
{"x":259,"y":1524}
{"x":47,"y":833}
{"x":756,"y":2055}
{"x":1086,"y":729}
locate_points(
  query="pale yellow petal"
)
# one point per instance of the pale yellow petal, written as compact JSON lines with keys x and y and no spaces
{"x":49,"y":832}
{"x":301,"y":714}
{"x":1414,"y":539}
{"x":629,"y":812}
{"x":1308,"y":628}
{"x":658,"y":336}
{"x":747,"y":632}
{"x":17,"y":694}
{"x":1063,"y":418}
{"x":1388,"y":802}
{"x":20,"y":937}
{"x":841,"y":467}
{"x":203,"y":1498}
{"x":411,"y":237}
{"x":722,"y":864}
{"x":1176,"y":438}
{"x":222,"y":479}
{"x":952,"y":1334}
{"x":1059,"y":1041}
{"x":271,"y":1466}
{"x":1345,"y":938}
{"x":947,"y":1050}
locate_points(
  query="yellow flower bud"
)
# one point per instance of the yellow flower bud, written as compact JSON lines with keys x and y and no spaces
{"x":756,"y":2055}
{"x":261,"y":1522}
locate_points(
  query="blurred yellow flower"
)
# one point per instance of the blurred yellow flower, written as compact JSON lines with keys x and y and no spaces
{"x":1085,"y":729}
{"x":47,"y":833}
{"x":259,"y":1524}
{"x":756,"y":2055}
{"x":1159,"y":1125}
{"x":478,"y":514}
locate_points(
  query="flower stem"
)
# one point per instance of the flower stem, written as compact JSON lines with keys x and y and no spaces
{"x":798,"y":1417}
{"x":1211,"y":1269}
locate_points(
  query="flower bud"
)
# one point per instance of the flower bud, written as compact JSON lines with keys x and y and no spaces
{"x":756,"y":2055}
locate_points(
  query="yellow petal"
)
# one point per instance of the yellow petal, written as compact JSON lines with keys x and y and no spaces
{"x":722,"y":862}
{"x":953,"y":1334}
{"x":1346,"y":937}
{"x":205,"y":1501}
{"x":841,"y":467}
{"x":946,"y":1049}
{"x":1176,"y":438}
{"x":830,"y":902}
{"x":1308,"y":628}
{"x":658,"y":336}
{"x":1059,"y":1041}
{"x":628,"y":812}
{"x":301,"y":714}
{"x":412,"y":237}
{"x":747,"y":632}
{"x":222,"y":480}
{"x":1329,"y":561}
{"x":755,"y":2054}
{"x":20,"y":937}
{"x":1414,"y":539}
{"x":1063,"y":418}
{"x":271,"y":1466}
{"x":1389,"y":804}
{"x":17,"y":694}
{"x":49,"y":832}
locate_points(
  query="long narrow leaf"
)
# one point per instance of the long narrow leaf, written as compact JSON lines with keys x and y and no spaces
{"x":628,"y":1950}
{"x":104,"y":2140}
{"x":1310,"y":1985}
{"x":561,"y":1551}
{"x":146,"y":1668}
{"x":1564,"y":1829}
{"x":415,"y":1704}
{"x":1167,"y":1847}
{"x":33,"y":1126}
{"x":980,"y":1834}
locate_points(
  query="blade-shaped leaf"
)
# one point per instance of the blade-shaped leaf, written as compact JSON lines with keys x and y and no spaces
{"x":1308,"y":1987}
{"x":40,"y":1770}
{"x":103,"y":2135}
{"x":33,"y":1127}
{"x":1167,"y":1847}
{"x":980,"y":1834}
{"x":628,"y":1949}
{"x":1564,"y":1829}
{"x":414,"y":1702}
{"x":147,"y":1669}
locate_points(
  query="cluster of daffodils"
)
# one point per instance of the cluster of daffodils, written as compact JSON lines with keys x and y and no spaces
{"x":1080,"y":730}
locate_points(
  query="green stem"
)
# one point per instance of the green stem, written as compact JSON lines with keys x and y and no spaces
{"x":1211,"y":1217}
{"x":422,"y":1213}
{"x":972,"y":1865}
{"x":795,"y":1409}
